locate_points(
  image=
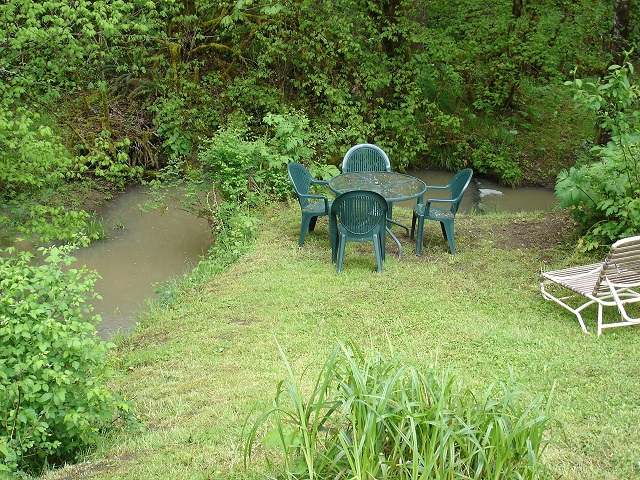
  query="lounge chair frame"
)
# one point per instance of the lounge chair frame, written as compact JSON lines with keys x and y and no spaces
{"x":612,"y":283}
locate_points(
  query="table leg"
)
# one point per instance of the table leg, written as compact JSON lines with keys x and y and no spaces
{"x":390,"y":220}
{"x":395,"y":239}
{"x":399,"y":224}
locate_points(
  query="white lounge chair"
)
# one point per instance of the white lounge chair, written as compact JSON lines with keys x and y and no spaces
{"x":612,"y":283}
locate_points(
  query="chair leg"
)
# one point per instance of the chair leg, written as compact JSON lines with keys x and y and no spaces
{"x":383,"y":244}
{"x":413,"y":224}
{"x":447,"y":231}
{"x":419,"y":235}
{"x":377,"y":246}
{"x":333,"y":237}
{"x":599,"y":320}
{"x":342,"y":245}
{"x":304,"y":228}
{"x":334,"y":240}
{"x":312,"y":223}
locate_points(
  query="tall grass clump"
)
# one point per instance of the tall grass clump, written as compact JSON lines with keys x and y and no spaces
{"x":369,"y":417}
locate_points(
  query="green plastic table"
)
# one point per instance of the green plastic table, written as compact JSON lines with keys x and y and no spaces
{"x":394,"y":187}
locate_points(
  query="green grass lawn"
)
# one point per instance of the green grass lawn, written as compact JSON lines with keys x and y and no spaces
{"x":198,"y":368}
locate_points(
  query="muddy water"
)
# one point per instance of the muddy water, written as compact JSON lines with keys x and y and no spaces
{"x":486,"y":196}
{"x":145,"y":249}
{"x":141,"y":250}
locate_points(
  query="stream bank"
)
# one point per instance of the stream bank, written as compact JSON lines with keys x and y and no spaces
{"x":145,"y":249}
{"x":142,"y":250}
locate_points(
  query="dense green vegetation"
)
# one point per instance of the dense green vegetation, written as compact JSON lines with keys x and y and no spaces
{"x":217,"y":97}
{"x":115,"y":90}
{"x":53,"y":366}
{"x":604,"y":196}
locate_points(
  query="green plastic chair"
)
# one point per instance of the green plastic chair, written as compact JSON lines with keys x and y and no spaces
{"x":311,"y":205}
{"x":422,"y":211}
{"x":365,"y":157}
{"x":358,"y":216}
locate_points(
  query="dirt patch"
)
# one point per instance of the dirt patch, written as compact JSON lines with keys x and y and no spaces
{"x":92,"y":469}
{"x":543,"y":232}
{"x":89,"y":470}
{"x":244,"y":321}
{"x":547,"y":231}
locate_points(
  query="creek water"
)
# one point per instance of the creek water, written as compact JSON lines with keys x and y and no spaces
{"x":143,"y":250}
{"x":484,"y":195}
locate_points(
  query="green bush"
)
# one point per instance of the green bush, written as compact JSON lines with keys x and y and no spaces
{"x":371,"y":417}
{"x":33,"y":163}
{"x":110,"y":160}
{"x":496,"y":160}
{"x":237,"y":167}
{"x":603,"y":194}
{"x":53,"y":365}
{"x":31,"y":156}
{"x":253,"y":169}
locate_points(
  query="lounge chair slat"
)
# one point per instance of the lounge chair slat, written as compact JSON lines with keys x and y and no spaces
{"x":614,"y":282}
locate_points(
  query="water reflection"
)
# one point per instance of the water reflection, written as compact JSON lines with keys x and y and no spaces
{"x":142,"y":250}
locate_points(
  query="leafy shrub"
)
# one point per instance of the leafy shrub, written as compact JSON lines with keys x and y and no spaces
{"x":53,"y":365}
{"x":47,"y":223}
{"x":34,"y":161}
{"x":175,"y":119}
{"x":251,"y":169}
{"x":110,"y":159}
{"x":603,"y":194}
{"x":238,"y":166}
{"x":31,"y":156}
{"x":371,"y":417}
{"x":235,"y":172}
{"x":496,"y":160}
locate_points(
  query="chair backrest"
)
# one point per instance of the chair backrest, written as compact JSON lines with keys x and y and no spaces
{"x":458,"y":185}
{"x":361,"y":212}
{"x":365,"y":157}
{"x":621,"y":266}
{"x":301,"y":180}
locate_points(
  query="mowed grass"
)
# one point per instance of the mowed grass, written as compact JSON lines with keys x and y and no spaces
{"x":197,"y":369}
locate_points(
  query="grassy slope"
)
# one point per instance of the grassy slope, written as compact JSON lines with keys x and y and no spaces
{"x":198,"y":368}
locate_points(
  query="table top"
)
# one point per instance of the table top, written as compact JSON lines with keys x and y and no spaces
{"x":394,"y":187}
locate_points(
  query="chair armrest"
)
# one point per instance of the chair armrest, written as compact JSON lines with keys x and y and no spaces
{"x":446,"y":200}
{"x":438,"y":187}
{"x":311,"y":196}
{"x":319,"y":183}
{"x":440,"y":200}
{"x":623,"y":294}
{"x":429,"y":201}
